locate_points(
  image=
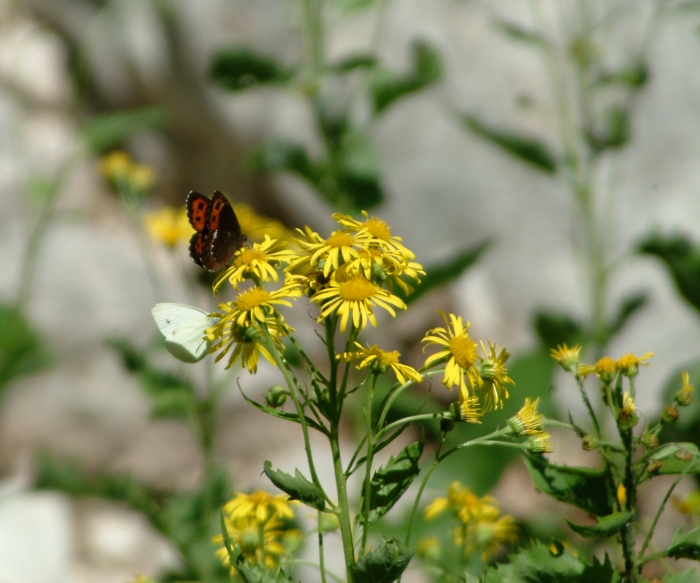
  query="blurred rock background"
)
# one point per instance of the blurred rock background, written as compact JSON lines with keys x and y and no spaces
{"x":63,"y":62}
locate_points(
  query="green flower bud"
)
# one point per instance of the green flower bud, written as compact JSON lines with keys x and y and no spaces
{"x":276,"y":397}
{"x":589,"y":442}
{"x":650,"y":440}
{"x":654,"y":467}
{"x":670,"y":414}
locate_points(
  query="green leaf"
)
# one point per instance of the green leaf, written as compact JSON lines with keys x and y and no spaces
{"x":387,"y":87}
{"x":384,"y":564}
{"x":606,"y":526}
{"x":685,"y":545}
{"x":583,"y":487}
{"x":21,"y":349}
{"x":282,"y":156}
{"x":284,"y":414}
{"x":682,"y":259}
{"x":364,"y":192}
{"x":359,"y":61}
{"x":615,"y":132}
{"x":556,"y":328}
{"x":518,"y":33}
{"x":635,"y":76}
{"x":240,"y":68}
{"x":689,"y":576}
{"x":673,"y":456}
{"x":108,"y":130}
{"x":526,"y":148}
{"x":391,"y":481}
{"x":298,"y":487}
{"x":437,"y":275}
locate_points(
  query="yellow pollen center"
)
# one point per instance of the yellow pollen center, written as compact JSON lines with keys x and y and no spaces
{"x":378,"y":229}
{"x":340,"y":239}
{"x":251,"y":299}
{"x":247,"y":256}
{"x":356,"y":290}
{"x":385,"y":358}
{"x":464,"y":351}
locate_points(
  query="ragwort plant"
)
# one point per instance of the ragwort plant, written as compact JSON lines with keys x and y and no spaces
{"x":350,"y":277}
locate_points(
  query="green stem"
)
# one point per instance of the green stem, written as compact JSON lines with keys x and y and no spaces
{"x":579,"y":382}
{"x":368,"y":462}
{"x":313,"y":42}
{"x":321,"y":555}
{"x":416,"y":503}
{"x":343,"y":512}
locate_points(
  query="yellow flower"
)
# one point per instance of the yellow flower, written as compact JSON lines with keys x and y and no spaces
{"x":683,"y":396}
{"x":259,"y":262}
{"x":258,"y":227}
{"x":378,"y":230}
{"x":490,"y":376}
{"x":386,"y":266}
{"x":259,"y":504}
{"x":246,"y":341}
{"x":527,"y":421}
{"x":628,"y":364}
{"x":459,"y":351}
{"x":605,"y":369}
{"x":354,"y":295}
{"x":493,"y":534}
{"x":328,"y":254}
{"x":257,"y":304}
{"x":169,"y":225}
{"x":429,"y":549}
{"x":469,"y":408}
{"x":568,"y":358}
{"x":380,"y":361}
{"x":622,"y":495}
{"x":689,"y":505}
{"x":119,"y":169}
{"x":461,"y":501}
{"x":627,"y":415}
{"x":540,"y":442}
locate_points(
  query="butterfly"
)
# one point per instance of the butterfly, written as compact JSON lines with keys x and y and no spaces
{"x":218,"y":234}
{"x":184,"y":329}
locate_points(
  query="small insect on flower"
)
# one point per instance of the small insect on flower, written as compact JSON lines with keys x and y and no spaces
{"x":381,"y":361}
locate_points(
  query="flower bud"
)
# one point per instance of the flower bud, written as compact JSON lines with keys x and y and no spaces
{"x":650,"y":440}
{"x":653,"y":467}
{"x":329,"y":522}
{"x":589,"y":442}
{"x":541,"y":443}
{"x":683,"y":455}
{"x":276,"y":397}
{"x":447,"y":422}
{"x":670,"y":414}
{"x":622,"y":495}
{"x":683,"y":397}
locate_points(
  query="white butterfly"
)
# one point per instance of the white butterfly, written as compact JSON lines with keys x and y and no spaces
{"x":183,"y":327}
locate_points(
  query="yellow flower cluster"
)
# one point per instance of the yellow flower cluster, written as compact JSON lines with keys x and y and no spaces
{"x":122,"y":172}
{"x":606,"y":368}
{"x":258,"y":524}
{"x":168,"y":225}
{"x":482,"y":376}
{"x":481,"y":528}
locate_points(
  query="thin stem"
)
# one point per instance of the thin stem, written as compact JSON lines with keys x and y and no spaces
{"x":584,"y":396}
{"x":343,"y":512}
{"x":416,"y":503}
{"x":321,"y":554}
{"x":368,"y":462}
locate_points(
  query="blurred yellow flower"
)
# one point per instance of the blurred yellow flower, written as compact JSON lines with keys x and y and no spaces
{"x":568,"y":358}
{"x":257,"y":227}
{"x":605,"y":369}
{"x":119,"y":169}
{"x":169,"y":225}
{"x":260,"y":504}
{"x":689,"y":505}
{"x":628,"y":364}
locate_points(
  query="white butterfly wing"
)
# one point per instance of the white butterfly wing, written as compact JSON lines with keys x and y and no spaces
{"x":183,"y":327}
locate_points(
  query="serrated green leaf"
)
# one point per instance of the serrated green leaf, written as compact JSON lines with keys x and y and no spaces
{"x":298,"y":487}
{"x":437,"y":275}
{"x":390,"y":481}
{"x":526,"y":148}
{"x":606,"y":525}
{"x":582,"y":487}
{"x":517,"y":32}
{"x":556,"y":328}
{"x":241,"y":68}
{"x":112,"y":129}
{"x":682,"y":259}
{"x":387,"y":87}
{"x":384,"y":564}
{"x":685,"y":545}
{"x":21,"y":349}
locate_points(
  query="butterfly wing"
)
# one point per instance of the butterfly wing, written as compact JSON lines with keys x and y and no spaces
{"x":223,"y":237}
{"x":198,"y":210}
{"x":183,"y":327}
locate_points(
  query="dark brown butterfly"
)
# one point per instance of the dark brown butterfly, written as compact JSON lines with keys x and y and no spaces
{"x":218,"y":234}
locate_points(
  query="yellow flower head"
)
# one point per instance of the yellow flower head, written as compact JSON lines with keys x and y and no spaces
{"x":328,"y":254}
{"x":246,"y":341}
{"x":354,"y":296}
{"x":259,"y":263}
{"x":492,"y":535}
{"x":380,"y":361}
{"x":261,"y":505}
{"x":527,"y":421}
{"x":628,"y":364}
{"x":627,"y":414}
{"x":169,"y":225}
{"x":683,"y":396}
{"x":387,"y":267}
{"x":257,"y":304}
{"x":459,"y":351}
{"x":605,"y":369}
{"x":490,"y":376}
{"x":689,"y":505}
{"x":568,"y":358}
{"x":258,"y":227}
{"x":469,"y":408}
{"x":378,"y":231}
{"x":540,"y":442}
{"x":622,"y":495}
{"x":119,"y":169}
